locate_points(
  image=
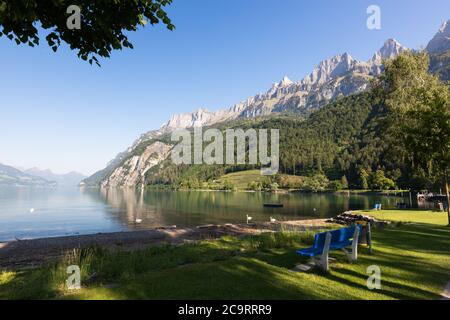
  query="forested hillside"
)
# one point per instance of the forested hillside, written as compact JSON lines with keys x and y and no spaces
{"x":342,"y":141}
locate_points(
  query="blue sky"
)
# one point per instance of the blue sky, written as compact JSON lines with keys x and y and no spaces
{"x":60,"y":113}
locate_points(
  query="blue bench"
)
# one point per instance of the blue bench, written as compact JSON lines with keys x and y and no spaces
{"x":339,"y":239}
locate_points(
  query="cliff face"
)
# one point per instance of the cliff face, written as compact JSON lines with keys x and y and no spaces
{"x":132,"y":172}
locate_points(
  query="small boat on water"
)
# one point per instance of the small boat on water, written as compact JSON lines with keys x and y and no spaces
{"x":273,"y":205}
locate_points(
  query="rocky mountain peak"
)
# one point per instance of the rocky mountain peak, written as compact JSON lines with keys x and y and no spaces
{"x":330,"y":68}
{"x":445,"y":28}
{"x":390,"y":49}
{"x":276,"y":88}
{"x":441,"y":41}
{"x":285,"y":82}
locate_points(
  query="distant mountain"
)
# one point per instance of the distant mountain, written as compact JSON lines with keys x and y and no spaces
{"x":441,"y":41}
{"x":339,"y":76}
{"x":13,"y":177}
{"x":69,"y":179}
{"x":439,"y":51}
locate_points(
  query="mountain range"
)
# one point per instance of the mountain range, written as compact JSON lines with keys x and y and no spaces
{"x":11,"y":176}
{"x":68,"y":179}
{"x":339,"y":76}
{"x":35,"y":177}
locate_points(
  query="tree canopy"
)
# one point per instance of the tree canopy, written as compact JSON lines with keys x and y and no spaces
{"x":420,"y":113}
{"x":103,"y":23}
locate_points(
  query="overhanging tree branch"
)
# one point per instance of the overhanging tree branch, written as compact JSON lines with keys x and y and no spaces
{"x":103,"y":23}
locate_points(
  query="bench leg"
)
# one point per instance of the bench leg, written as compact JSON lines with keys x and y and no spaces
{"x":353,"y":254}
{"x":355,"y":244}
{"x":322,"y":260}
{"x":369,"y":237}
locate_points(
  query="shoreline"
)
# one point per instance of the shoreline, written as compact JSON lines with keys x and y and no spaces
{"x":22,"y":254}
{"x":286,"y":191}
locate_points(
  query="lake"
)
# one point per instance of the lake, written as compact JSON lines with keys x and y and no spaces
{"x":34,"y":212}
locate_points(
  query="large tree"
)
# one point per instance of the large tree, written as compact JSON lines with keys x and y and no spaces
{"x":419,"y":105}
{"x":103,"y":23}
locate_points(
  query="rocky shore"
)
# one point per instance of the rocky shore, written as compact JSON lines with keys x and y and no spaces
{"x":20,"y":254}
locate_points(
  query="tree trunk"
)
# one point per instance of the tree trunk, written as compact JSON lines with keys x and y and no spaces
{"x":448,"y":196}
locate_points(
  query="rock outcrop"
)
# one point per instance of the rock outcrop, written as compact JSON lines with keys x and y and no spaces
{"x":132,"y":172}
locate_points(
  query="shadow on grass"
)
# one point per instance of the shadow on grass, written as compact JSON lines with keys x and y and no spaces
{"x":237,"y":278}
{"x":416,"y":237}
{"x":391,"y":289}
{"x":29,"y":285}
{"x":223,"y":270}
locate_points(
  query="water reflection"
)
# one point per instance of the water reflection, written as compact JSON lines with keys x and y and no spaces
{"x":70,"y":211}
{"x":189,"y":208}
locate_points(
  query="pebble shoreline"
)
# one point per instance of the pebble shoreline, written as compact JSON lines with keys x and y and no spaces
{"x":19,"y":254}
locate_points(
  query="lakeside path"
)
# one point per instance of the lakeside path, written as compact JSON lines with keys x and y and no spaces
{"x":19,"y":254}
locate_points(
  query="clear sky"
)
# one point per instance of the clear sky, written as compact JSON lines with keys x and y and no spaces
{"x":59,"y":112}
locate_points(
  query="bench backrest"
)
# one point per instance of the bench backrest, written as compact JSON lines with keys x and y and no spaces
{"x":347,"y":233}
{"x":319,"y":240}
{"x":337,"y":236}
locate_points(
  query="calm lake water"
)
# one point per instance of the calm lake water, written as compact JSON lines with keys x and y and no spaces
{"x":59,"y":212}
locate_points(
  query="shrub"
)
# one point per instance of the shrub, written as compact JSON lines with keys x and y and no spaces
{"x":335,"y":185}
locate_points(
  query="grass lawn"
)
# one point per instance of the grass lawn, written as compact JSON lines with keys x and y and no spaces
{"x":241,"y":179}
{"x":414,"y":261}
{"x":417,"y":216}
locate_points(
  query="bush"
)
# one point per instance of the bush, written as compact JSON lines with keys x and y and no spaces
{"x":255,"y":186}
{"x":228,"y":185}
{"x":335,"y":185}
{"x":380,"y":182}
{"x":291,"y":182}
{"x":273,"y":186}
{"x":318,"y":182}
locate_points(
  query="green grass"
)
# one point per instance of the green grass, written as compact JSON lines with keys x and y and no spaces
{"x":414,"y":261}
{"x":241,"y":179}
{"x":416,"y":216}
